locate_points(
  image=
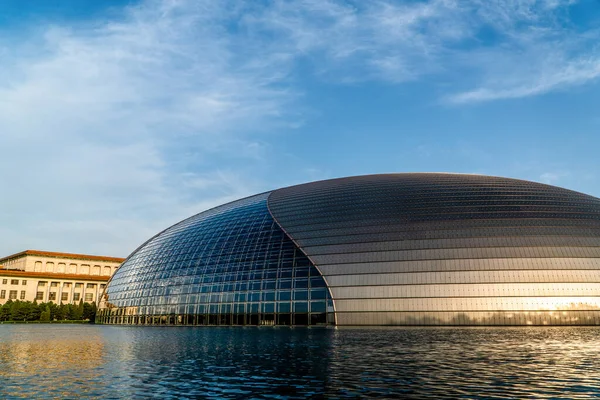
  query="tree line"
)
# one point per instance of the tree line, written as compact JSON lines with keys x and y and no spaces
{"x":32,"y":311}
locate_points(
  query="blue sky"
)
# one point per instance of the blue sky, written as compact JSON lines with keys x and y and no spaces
{"x":119,"y":118}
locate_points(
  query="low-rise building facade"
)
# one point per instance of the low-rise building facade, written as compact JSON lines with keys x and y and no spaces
{"x":44,"y":276}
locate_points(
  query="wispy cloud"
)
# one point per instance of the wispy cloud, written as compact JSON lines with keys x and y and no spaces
{"x":511,"y":49}
{"x":552,"y":178}
{"x":540,"y":75}
{"x":349,"y":41}
{"x":104,"y":122}
{"x":114,"y":128}
{"x":535,"y":49}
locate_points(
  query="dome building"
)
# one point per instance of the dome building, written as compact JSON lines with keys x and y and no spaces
{"x":392,"y":249}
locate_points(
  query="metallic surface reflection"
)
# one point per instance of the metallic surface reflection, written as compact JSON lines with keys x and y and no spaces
{"x":435,"y":249}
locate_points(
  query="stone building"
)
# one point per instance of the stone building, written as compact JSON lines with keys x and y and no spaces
{"x":58,"y":277}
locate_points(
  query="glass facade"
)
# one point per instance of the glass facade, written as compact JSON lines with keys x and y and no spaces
{"x":232,"y":265}
{"x":396,"y":249}
{"x":448,"y":249}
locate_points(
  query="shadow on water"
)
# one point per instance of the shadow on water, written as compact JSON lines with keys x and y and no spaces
{"x":141,"y":362}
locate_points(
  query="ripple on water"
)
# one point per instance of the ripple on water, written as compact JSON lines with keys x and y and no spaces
{"x":74,"y":361}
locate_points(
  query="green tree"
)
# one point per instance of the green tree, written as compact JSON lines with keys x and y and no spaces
{"x":32,"y":311}
{"x":68,"y":312}
{"x":77,"y":311}
{"x":5,"y":311}
{"x":45,"y":315}
{"x":53,"y":311}
{"x":18,"y":311}
{"x":60,"y":312}
{"x":89,"y":311}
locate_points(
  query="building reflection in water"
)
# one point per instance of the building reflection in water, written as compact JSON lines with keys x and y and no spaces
{"x":153,"y":362}
{"x":63,"y":358}
{"x":477,"y":362}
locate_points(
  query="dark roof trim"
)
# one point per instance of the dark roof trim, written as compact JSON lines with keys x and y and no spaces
{"x":62,"y":255}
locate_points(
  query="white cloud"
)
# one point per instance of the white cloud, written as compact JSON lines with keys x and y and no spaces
{"x":112,"y":129}
{"x":552,"y":178}
{"x":350,"y":41}
{"x":539,"y":51}
{"x":100,"y":127}
{"x":500,"y":49}
{"x":539,"y":71}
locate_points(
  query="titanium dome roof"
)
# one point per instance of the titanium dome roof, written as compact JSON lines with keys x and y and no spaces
{"x":392,"y":249}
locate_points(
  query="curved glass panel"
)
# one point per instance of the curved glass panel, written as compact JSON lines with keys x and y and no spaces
{"x":231,"y":265}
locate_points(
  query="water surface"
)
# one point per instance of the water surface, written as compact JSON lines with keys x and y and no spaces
{"x":113,"y":362}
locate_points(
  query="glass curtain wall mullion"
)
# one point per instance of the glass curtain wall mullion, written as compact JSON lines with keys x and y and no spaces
{"x":238,"y":255}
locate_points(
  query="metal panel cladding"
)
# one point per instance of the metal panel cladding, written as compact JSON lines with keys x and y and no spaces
{"x":231,"y":265}
{"x":448,"y":249}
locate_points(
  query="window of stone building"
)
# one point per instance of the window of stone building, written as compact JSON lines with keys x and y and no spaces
{"x":2,"y":294}
{"x":96,"y":270}
{"x":39,"y":296}
{"x":42,"y":283}
{"x":53,"y":284}
{"x":12,"y":295}
{"x":102,"y":286}
{"x":90,"y":285}
{"x":89,"y":297}
{"x":4,"y":281}
{"x":67,"y":284}
{"x":64,"y":296}
{"x":61,"y":268}
{"x":72,"y":268}
{"x":78,"y":285}
{"x":22,"y":295}
{"x":52,"y":296}
{"x":14,"y":281}
{"x":38,"y":266}
{"x":23,"y":282}
{"x":85,"y":269}
{"x":49,"y":267}
{"x":76,"y":296}
{"x":106,"y":271}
